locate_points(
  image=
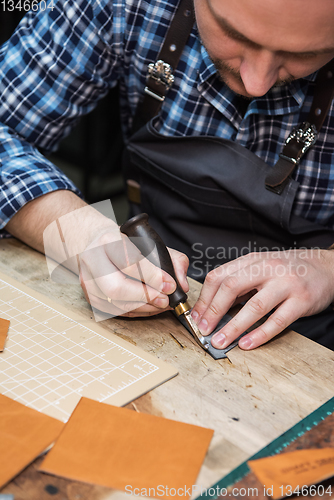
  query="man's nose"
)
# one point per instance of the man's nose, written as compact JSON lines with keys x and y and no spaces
{"x":259,"y":71}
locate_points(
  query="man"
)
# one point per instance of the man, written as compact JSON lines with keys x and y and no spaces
{"x":265,"y":54}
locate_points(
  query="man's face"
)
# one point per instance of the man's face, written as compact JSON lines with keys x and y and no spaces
{"x":256,"y":44}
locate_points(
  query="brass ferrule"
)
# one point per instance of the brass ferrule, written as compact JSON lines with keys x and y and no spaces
{"x":182,"y":308}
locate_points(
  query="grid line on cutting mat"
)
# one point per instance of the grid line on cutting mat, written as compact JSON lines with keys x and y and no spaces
{"x":50,"y":360}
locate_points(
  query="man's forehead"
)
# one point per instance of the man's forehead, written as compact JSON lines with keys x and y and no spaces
{"x":294,"y":25}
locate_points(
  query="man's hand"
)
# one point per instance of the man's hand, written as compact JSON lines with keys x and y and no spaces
{"x":291,"y":284}
{"x":112,"y":271}
{"x":116,"y":279}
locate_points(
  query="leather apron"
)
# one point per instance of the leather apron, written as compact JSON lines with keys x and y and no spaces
{"x":207,"y":198}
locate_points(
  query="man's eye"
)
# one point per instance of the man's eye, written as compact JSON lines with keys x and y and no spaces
{"x":303,"y":56}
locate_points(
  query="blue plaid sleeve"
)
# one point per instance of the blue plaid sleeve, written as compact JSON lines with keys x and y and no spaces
{"x":25,"y":174}
{"x":55,"y":68}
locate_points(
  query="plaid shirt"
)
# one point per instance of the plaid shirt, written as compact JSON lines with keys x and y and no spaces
{"x":60,"y":62}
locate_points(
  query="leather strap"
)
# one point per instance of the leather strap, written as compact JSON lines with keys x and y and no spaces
{"x":161,"y":78}
{"x":170,"y":53}
{"x":302,"y":138}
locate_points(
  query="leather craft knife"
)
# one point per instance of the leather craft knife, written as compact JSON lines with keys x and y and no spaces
{"x":147,"y":240}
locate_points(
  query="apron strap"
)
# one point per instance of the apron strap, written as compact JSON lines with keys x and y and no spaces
{"x":305,"y":135}
{"x":160,"y":74}
{"x":160,"y":78}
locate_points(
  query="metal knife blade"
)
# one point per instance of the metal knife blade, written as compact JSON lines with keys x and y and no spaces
{"x":201,"y":341}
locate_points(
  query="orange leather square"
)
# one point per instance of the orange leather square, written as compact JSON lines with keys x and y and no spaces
{"x":126,"y":450}
{"x":24,"y":434}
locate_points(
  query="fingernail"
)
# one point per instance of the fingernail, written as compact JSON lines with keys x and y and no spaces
{"x":218,"y":340}
{"x":161,"y":303}
{"x":168,"y":287}
{"x":194,"y":315}
{"x":246,"y":343}
{"x":203,"y":326}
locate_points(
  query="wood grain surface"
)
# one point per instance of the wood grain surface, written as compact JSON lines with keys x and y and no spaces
{"x":248,"y":399}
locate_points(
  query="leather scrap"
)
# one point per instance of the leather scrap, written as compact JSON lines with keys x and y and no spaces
{"x":290,"y":472}
{"x":4,"y":326}
{"x":136,"y":452}
{"x":24,"y":434}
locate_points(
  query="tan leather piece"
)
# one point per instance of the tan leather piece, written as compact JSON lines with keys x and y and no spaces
{"x":123,"y":449}
{"x":288,"y":472}
{"x":4,"y":326}
{"x":24,"y":434}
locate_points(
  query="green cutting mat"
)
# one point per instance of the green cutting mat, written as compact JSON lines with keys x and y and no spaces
{"x":274,"y":447}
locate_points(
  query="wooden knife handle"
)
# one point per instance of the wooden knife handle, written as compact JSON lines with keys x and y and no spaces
{"x":154,"y":249}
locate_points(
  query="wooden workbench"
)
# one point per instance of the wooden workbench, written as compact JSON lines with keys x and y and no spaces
{"x":248,"y":400}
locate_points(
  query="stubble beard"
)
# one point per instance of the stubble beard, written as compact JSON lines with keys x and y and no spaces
{"x":226,"y":72}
